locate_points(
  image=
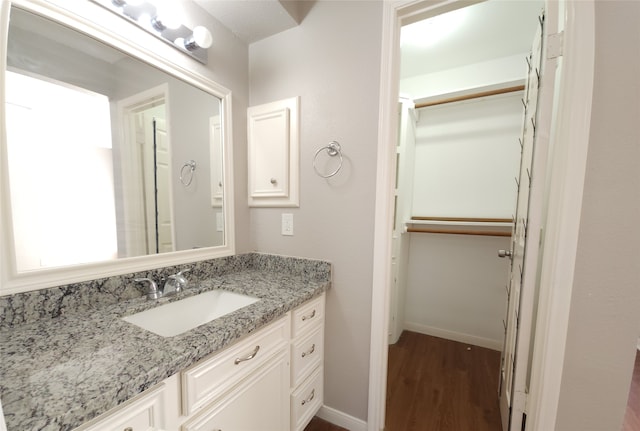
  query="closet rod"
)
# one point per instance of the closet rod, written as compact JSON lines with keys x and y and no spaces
{"x":459,"y":232}
{"x":464,"y":219}
{"x":470,"y":96}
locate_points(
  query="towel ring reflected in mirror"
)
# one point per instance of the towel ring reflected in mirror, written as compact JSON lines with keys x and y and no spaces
{"x":191,"y":166}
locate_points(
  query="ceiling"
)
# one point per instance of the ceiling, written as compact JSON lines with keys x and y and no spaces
{"x":481,"y":32}
{"x":253,"y":20}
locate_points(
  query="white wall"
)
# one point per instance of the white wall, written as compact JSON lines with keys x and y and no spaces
{"x":484,"y":74}
{"x":332,"y":61}
{"x":467,"y":158}
{"x":456,"y":288}
{"x":604,"y":320}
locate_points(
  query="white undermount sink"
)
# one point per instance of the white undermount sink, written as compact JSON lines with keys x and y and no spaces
{"x":180,"y":316}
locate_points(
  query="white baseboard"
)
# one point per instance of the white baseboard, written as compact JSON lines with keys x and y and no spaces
{"x":455,"y":336}
{"x":341,"y":419}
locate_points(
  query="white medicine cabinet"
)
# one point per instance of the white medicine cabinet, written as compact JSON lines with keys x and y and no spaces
{"x":273,"y":154}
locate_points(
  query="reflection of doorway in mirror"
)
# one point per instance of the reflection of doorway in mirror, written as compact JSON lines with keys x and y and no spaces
{"x":145,"y":225}
{"x":155,"y":166}
{"x":217,"y":185}
{"x":61,"y":133}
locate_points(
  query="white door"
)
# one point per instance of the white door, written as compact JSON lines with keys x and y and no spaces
{"x":156,"y":177}
{"x":163,"y":173}
{"x":521,"y":285}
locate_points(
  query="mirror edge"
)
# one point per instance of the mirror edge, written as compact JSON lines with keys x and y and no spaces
{"x":11,"y":281}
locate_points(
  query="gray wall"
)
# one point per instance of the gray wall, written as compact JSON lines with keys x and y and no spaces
{"x":604,"y":320}
{"x":332,"y":61}
{"x":229,"y":66}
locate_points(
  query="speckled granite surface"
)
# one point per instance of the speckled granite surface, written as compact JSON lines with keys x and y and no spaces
{"x":66,"y":356}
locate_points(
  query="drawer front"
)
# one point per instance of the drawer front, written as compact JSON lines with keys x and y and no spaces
{"x":307,"y":400}
{"x":258,"y":403}
{"x":308,"y":316}
{"x":306,"y":354}
{"x":143,"y":413}
{"x":210,"y":378}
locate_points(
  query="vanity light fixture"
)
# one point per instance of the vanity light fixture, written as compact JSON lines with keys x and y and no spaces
{"x":164,"y":24}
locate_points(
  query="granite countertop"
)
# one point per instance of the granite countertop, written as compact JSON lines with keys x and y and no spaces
{"x":57,"y":373}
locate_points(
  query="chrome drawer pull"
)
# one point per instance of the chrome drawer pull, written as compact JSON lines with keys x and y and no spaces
{"x":310,"y":316}
{"x":308,"y":400}
{"x":128,"y":429}
{"x":248,"y":357}
{"x":313,"y":349}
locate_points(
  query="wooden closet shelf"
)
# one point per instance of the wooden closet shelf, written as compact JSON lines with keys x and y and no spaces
{"x":460,"y":232}
{"x":463,"y":219}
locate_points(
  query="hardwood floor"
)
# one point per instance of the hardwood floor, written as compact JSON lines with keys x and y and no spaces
{"x":438,"y":385}
{"x":632,"y":415}
{"x":441,"y":385}
{"x":318,"y":424}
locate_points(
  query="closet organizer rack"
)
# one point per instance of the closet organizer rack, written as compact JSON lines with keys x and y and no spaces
{"x":461,"y":226}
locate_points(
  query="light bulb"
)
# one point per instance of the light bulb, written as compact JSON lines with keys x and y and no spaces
{"x":201,"y":38}
{"x":167,"y":16}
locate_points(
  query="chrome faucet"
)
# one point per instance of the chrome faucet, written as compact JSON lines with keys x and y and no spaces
{"x":153,"y":292}
{"x":176,"y":283}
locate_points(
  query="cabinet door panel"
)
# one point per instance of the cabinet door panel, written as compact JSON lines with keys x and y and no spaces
{"x":207,"y":380}
{"x":145,"y":413}
{"x":258,"y":403}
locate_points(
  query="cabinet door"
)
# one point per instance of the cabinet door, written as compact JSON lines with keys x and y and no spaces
{"x":273,"y":154}
{"x":260,"y":402}
{"x":145,"y":413}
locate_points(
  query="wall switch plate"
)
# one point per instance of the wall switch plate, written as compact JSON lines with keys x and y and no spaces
{"x":287,"y":224}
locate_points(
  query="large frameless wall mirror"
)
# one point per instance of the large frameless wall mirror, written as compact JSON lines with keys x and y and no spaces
{"x":109,"y":164}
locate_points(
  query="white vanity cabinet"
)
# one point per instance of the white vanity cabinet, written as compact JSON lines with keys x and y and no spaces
{"x":270,"y":381}
{"x":244,"y":388}
{"x":260,"y":402}
{"x":146,"y":412}
{"x":273,"y":154}
{"x":307,"y":362}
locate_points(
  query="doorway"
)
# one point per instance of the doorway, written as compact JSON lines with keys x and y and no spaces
{"x":456,"y":217}
{"x":145,"y":224}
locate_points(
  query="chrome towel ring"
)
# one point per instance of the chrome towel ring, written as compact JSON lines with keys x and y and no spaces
{"x":191,"y":165}
{"x":333,"y":149}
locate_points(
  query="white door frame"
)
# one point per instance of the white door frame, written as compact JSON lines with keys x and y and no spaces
{"x":566,"y":180}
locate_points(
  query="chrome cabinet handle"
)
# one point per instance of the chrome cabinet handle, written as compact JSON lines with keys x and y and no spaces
{"x":310,"y":351}
{"x":308,"y":400}
{"x":248,"y":357}
{"x":310,"y":316}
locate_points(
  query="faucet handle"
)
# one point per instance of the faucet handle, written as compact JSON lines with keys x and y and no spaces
{"x":180,"y":279}
{"x":153,"y":292}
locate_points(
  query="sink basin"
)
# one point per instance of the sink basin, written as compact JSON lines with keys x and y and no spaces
{"x":180,"y":316}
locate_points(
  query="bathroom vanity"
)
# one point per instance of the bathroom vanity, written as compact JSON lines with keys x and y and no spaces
{"x":257,"y":368}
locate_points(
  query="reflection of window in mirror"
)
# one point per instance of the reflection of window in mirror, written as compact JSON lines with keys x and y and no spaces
{"x":58,"y":137}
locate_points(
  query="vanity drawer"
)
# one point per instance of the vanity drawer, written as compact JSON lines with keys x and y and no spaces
{"x":306,"y":354}
{"x":210,"y":378}
{"x":307,"y":316}
{"x":146,"y":412}
{"x":306,"y":400}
